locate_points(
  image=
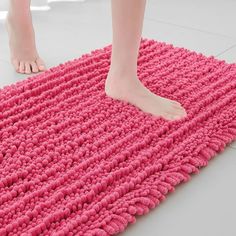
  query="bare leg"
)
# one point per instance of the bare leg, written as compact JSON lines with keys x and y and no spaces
{"x":122,"y":82}
{"x":24,"y":55}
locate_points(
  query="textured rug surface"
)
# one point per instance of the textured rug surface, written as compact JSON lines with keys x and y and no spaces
{"x":76,"y":162}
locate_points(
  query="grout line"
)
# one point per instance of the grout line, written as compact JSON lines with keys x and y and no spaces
{"x":232,"y":147}
{"x":233,"y":144}
{"x":187,"y":27}
{"x":227,"y":49}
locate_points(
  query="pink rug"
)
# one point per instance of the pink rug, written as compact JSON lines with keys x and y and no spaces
{"x":75,"y":162}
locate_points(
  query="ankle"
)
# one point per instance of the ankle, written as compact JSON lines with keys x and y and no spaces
{"x":121,"y":73}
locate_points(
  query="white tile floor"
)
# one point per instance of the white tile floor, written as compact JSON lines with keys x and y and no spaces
{"x":205,"y":205}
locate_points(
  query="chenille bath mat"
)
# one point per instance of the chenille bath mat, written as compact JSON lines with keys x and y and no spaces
{"x":76,"y":162}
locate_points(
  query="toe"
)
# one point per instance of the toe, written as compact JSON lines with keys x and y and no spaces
{"x":34,"y":67}
{"x":179,"y":109}
{"x":16,"y":64}
{"x":22,"y":67}
{"x":40,"y":64}
{"x":27,"y":68}
{"x":176,"y":105}
{"x":167,"y":116}
{"x":174,"y":115}
{"x":179,"y":115}
{"x":180,"y":112}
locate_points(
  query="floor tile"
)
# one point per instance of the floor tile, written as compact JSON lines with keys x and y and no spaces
{"x":208,"y":44}
{"x":215,"y":16}
{"x":229,"y":55}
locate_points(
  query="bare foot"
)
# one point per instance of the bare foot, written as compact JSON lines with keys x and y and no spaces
{"x":24,"y":55}
{"x":131,"y":89}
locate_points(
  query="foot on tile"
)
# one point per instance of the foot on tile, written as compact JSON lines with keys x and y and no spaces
{"x":24,"y":55}
{"x":130,"y":89}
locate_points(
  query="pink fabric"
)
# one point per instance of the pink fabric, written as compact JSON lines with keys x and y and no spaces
{"x":75,"y":162}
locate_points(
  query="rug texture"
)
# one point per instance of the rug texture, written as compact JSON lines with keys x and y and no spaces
{"x":76,"y":162}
